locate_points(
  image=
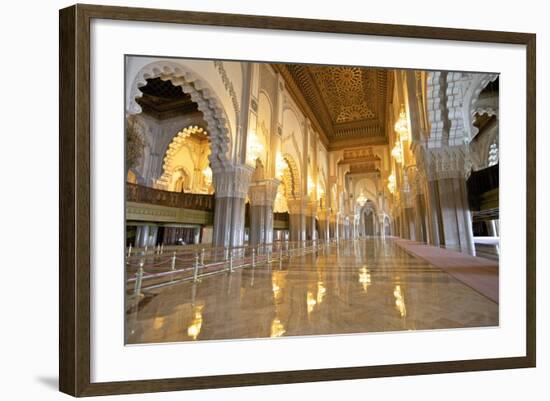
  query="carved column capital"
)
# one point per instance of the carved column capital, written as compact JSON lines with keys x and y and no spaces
{"x":232,"y":182}
{"x":263,"y":193}
{"x":449,"y":162}
{"x":295,"y":206}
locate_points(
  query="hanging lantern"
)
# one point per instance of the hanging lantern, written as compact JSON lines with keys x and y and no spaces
{"x":401,"y":126}
{"x":397,"y":152}
{"x":391,"y":183}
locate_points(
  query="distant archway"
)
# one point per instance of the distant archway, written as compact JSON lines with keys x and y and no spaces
{"x":185,"y":171}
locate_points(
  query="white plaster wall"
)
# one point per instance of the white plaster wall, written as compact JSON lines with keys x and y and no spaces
{"x":292,"y":142}
{"x":264,"y":123}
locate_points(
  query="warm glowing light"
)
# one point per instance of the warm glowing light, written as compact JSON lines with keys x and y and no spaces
{"x":277,"y":328}
{"x":391,"y":183}
{"x":401,"y":126}
{"x":397,"y":152}
{"x":254,"y":148}
{"x":207,"y":173}
{"x":194,"y":328}
{"x":321,"y":291}
{"x":320,"y":191}
{"x":280,"y":166}
{"x":400,"y":301}
{"x":361,"y":199}
{"x":311,"y":302}
{"x":277,"y":284}
{"x":364,"y":278}
{"x":310,"y":185}
{"x":158,"y":322}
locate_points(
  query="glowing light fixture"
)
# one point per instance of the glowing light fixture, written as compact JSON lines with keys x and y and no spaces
{"x":397,"y":152}
{"x":254,"y":148}
{"x":310,"y":185}
{"x":401,"y":126}
{"x":280,"y":166}
{"x":361,"y":199}
{"x":207,"y":173}
{"x":391,"y":183}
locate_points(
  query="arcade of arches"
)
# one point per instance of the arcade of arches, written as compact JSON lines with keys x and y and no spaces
{"x":389,"y":165}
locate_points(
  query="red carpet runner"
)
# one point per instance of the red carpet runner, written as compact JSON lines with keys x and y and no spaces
{"x":478,"y":273}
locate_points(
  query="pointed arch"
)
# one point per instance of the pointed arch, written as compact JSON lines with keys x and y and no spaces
{"x":201,"y":93}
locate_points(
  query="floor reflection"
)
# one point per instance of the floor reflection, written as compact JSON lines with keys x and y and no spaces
{"x":363,"y":286}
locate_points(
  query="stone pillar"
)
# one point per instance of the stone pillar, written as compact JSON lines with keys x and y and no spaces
{"x":491,"y":228}
{"x":340,"y":225}
{"x":231,"y":186}
{"x":333,"y":226}
{"x":138,"y":236}
{"x":455,"y":213}
{"x":262,"y":197}
{"x":324,"y":221}
{"x":311,"y":211}
{"x":420,"y":218}
{"x":144,"y":236}
{"x":296,"y":220}
{"x":435,"y":227}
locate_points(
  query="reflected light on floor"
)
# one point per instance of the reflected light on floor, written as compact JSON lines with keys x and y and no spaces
{"x":277,"y":328}
{"x":311,"y":302}
{"x":400,"y":301}
{"x":277,"y":284}
{"x":321,"y":291}
{"x":158,"y":322}
{"x":194,"y":328}
{"x":364,"y":278}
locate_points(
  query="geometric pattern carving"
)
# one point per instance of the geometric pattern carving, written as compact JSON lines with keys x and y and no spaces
{"x":347,"y":101}
{"x":348,"y":92}
{"x":201,"y":93}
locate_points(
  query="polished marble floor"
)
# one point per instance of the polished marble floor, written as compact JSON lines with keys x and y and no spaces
{"x":360,"y":286}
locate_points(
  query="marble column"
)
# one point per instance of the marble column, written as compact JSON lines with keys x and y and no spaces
{"x":333,"y":226}
{"x":231,"y":187}
{"x":144,"y":236}
{"x":138,"y":237}
{"x":311,"y":211}
{"x":455,"y":213}
{"x":420,"y":218}
{"x":491,"y":228}
{"x":262,"y":197}
{"x":324,"y":221}
{"x":296,"y":220}
{"x":435,"y":228}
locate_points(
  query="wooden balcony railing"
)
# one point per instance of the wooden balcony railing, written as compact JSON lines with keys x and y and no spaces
{"x":142,"y":194}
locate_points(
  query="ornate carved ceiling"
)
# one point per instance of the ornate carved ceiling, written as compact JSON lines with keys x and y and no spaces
{"x":162,"y":99}
{"x":348,"y":103}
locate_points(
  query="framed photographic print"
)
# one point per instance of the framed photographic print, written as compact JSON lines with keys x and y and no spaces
{"x":250,"y":200}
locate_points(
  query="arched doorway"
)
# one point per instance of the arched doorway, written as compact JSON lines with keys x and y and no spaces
{"x":288,"y":198}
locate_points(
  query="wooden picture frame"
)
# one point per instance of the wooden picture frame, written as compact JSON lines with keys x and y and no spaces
{"x":74,"y":203}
